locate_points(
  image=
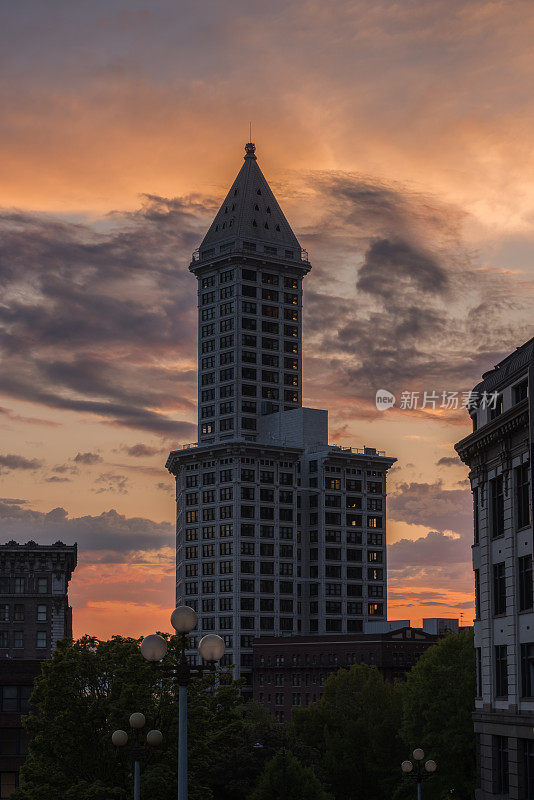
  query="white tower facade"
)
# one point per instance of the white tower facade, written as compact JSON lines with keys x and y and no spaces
{"x":277,"y":532}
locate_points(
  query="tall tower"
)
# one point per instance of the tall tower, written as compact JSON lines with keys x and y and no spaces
{"x":249,"y":319}
{"x":277,"y":532}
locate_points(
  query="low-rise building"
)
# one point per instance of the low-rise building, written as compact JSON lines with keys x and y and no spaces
{"x":291,"y":671}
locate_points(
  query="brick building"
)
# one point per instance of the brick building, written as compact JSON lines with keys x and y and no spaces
{"x":34,"y":615}
{"x":291,"y":672}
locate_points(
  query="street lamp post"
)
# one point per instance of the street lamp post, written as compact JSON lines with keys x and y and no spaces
{"x":153,"y":738}
{"x":211,"y":648}
{"x":420,"y":772}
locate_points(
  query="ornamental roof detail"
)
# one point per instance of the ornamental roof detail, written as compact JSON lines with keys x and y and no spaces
{"x":250,"y":213}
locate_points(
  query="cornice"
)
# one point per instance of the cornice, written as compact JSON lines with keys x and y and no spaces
{"x":478,"y":442}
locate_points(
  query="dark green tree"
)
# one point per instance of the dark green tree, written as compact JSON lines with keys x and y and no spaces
{"x":258,"y":739}
{"x":351,"y":734}
{"x":438,"y":701}
{"x":285,"y":778}
{"x":87,"y":690}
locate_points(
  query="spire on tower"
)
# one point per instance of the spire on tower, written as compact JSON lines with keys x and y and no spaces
{"x":250,"y":214}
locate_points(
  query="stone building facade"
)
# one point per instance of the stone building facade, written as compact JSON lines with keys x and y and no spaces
{"x":499,"y":453}
{"x":34,"y":615}
{"x":278,"y":532}
{"x":34,"y":604}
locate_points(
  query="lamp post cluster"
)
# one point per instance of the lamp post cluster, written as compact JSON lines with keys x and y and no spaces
{"x":211,"y":649}
{"x":417,"y":770}
{"x":120,"y":739}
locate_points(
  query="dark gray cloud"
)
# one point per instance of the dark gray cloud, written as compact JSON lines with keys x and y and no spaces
{"x":433,"y":550}
{"x":61,"y":469}
{"x":93,"y":315}
{"x":101,"y":320}
{"x":440,"y":558}
{"x":394,"y":266}
{"x":57,"y":479}
{"x":431,"y":505}
{"x":11,"y":461}
{"x":87,"y":458}
{"x":449,"y":461}
{"x":111,"y":482}
{"x":109,"y":535}
{"x":416,"y":315}
{"x":16,"y":501}
{"x":142,"y":450}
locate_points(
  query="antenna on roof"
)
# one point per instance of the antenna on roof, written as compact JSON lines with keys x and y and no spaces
{"x":250,"y":131}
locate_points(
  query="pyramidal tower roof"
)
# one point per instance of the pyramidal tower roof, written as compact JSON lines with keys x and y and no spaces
{"x":250,"y":219}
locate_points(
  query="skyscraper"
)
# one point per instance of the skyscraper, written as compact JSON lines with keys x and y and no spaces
{"x":277,"y":532}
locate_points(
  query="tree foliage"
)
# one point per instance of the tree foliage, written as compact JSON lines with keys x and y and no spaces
{"x":286,"y":778}
{"x":352,"y":734}
{"x":438,"y":701}
{"x":347,"y":746}
{"x":89,"y":689}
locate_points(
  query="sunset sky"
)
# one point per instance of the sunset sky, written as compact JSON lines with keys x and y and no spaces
{"x":397,"y":137}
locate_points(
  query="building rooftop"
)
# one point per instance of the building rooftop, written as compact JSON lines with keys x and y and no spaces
{"x":507,"y":369}
{"x":250,"y":220}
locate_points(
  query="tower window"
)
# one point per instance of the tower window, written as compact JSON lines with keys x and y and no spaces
{"x":259,"y":191}
{"x":268,"y":209}
{"x":254,"y":223}
{"x":256,"y":207}
{"x":290,"y":283}
{"x":278,"y":227}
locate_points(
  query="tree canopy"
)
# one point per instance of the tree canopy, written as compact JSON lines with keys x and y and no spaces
{"x":89,"y":689}
{"x":438,"y":701}
{"x":286,"y":778}
{"x":347,"y":746}
{"x":353,"y":730}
